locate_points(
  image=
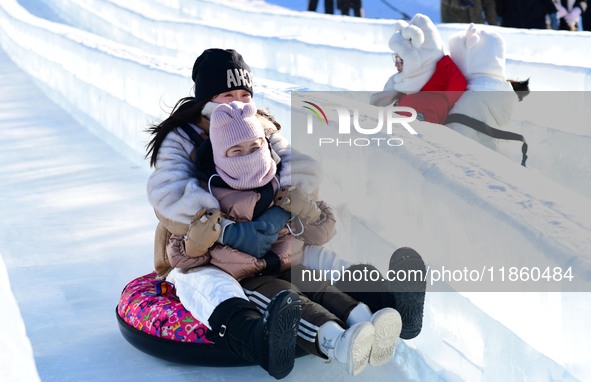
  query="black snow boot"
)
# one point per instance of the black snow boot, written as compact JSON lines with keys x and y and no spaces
{"x":406,"y":296}
{"x":268,"y":339}
{"x":409,"y":294}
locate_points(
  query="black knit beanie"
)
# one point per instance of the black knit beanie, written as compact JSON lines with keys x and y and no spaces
{"x":220,"y":70}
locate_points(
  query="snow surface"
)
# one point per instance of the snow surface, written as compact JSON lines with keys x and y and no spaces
{"x":82,"y":79}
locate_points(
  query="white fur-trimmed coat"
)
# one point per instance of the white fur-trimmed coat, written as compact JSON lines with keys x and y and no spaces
{"x":490,"y":100}
{"x":480,"y":54}
{"x":175,"y":194}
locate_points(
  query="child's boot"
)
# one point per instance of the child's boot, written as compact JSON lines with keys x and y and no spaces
{"x":350,"y":347}
{"x":387,"y":325}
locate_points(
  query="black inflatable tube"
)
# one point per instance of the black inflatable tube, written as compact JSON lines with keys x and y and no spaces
{"x":183,"y":352}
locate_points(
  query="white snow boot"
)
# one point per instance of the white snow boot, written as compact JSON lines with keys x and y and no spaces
{"x":387,"y":324}
{"x":361,"y":313}
{"x":350,"y":347}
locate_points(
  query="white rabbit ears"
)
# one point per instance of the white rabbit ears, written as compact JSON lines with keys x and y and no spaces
{"x":490,"y":40}
{"x":472,"y":36}
{"x":418,"y":32}
{"x":411,"y":33}
{"x":478,"y":51}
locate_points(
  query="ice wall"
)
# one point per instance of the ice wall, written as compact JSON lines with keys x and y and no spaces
{"x":17,"y":362}
{"x":105,"y":85}
{"x":302,"y":45}
{"x":327,"y":52}
{"x":285,"y":54}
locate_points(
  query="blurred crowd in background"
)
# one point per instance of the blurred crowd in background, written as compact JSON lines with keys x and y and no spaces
{"x":345,"y":7}
{"x":531,"y":14}
{"x":570,"y":15}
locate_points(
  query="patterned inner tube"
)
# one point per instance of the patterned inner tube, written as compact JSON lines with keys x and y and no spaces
{"x":152,"y":319}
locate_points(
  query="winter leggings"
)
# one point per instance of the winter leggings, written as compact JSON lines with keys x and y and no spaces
{"x":321,"y":302}
{"x":202,"y":289}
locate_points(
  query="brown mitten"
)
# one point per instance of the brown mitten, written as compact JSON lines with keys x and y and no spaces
{"x":299,"y":203}
{"x":321,"y":231}
{"x":204,"y":230}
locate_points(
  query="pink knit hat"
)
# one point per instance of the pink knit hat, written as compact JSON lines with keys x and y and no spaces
{"x":235,"y":123}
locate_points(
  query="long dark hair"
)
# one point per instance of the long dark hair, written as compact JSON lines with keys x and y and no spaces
{"x":186,"y":110}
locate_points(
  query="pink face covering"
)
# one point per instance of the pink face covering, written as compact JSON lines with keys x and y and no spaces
{"x":231,"y":124}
